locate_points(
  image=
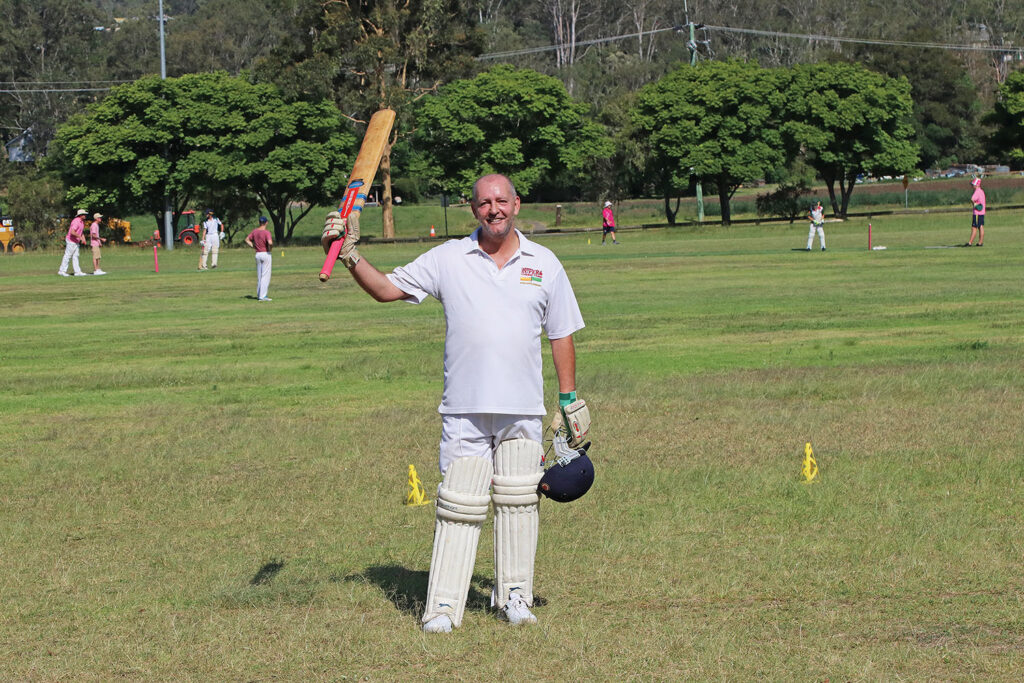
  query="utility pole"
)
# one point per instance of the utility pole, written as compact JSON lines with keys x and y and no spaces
{"x":691,"y":44}
{"x":168,"y":228}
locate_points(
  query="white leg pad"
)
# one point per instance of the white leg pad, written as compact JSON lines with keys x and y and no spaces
{"x":462,"y":501}
{"x":517,"y":473}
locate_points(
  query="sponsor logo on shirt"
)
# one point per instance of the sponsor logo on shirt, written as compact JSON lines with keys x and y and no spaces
{"x":531,"y":276}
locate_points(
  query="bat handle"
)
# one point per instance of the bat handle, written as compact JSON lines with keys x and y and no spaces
{"x":332,"y":258}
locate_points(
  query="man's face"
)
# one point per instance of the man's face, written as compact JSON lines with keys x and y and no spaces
{"x":495,"y":206}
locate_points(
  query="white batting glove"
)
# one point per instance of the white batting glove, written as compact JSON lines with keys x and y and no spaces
{"x":575,"y":417}
{"x":336,"y":227}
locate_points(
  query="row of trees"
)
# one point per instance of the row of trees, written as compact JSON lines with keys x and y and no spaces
{"x":224,"y":141}
{"x":594,"y":120}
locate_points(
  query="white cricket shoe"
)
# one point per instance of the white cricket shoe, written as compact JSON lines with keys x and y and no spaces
{"x":517,"y":611}
{"x":441,"y":624}
{"x":62,"y":273}
{"x":99,"y":272}
{"x":82,"y":274}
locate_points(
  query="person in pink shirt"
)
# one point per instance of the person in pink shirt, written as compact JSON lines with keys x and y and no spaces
{"x":72,"y":244}
{"x":978,"y":219}
{"x":261,"y":240}
{"x":95,"y":241}
{"x":608,"y":223}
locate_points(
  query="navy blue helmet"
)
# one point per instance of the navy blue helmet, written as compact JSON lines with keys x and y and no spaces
{"x":570,"y":477}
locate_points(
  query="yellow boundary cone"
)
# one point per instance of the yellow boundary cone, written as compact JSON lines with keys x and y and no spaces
{"x":810,"y":468}
{"x":416,"y":495}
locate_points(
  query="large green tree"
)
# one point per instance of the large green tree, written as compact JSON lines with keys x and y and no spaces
{"x":372,"y":54}
{"x":200,"y":136}
{"x":847,"y":121}
{"x":1008,"y":119}
{"x":717,"y":121}
{"x":512,"y":121}
{"x":946,"y":108}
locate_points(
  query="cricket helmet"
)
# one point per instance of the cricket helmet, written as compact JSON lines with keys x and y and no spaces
{"x":569,"y":478}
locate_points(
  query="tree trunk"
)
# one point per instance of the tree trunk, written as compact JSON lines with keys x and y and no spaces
{"x":387,"y":216}
{"x":724,"y":197}
{"x":830,"y":182}
{"x":670,"y":215}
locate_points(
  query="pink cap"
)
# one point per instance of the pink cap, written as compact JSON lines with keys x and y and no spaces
{"x":976,"y":182}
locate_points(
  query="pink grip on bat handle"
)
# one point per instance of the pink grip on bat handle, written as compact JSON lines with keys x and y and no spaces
{"x":332,"y":258}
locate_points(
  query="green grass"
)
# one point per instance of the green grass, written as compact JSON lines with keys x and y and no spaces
{"x":197,"y":486}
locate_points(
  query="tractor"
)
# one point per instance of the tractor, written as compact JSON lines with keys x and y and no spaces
{"x":190,"y":234}
{"x":7,"y":240}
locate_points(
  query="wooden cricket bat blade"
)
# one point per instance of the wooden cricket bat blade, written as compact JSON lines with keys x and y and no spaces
{"x":361,"y":178}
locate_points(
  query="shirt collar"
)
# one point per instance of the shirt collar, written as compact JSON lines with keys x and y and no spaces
{"x":525,"y":246}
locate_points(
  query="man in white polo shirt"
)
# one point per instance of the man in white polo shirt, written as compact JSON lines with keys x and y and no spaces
{"x":499,"y":291}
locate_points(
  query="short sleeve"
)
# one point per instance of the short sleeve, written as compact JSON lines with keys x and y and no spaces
{"x":418,"y":279}
{"x":562,"y":316}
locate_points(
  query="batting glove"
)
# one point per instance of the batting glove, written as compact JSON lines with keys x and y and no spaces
{"x":347,"y":229}
{"x":575,"y":417}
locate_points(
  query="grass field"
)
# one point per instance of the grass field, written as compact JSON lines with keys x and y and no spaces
{"x":197,"y":486}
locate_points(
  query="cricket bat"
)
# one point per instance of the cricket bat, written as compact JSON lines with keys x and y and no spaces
{"x":359,"y":181}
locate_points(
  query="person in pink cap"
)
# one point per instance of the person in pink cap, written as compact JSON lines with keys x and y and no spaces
{"x":978,"y":220}
{"x":608,"y":223}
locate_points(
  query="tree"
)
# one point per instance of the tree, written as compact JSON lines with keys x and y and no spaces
{"x":717,"y":121}
{"x":945,"y":103}
{"x":1008,"y":118}
{"x":848,"y":121}
{"x":203,"y":136}
{"x":372,"y":54}
{"x":512,"y":121}
{"x":43,"y":41}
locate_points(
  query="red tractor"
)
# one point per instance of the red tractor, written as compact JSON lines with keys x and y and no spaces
{"x":192,"y":231}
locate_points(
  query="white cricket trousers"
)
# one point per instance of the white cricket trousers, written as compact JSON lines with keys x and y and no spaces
{"x":70,"y":256}
{"x":213,"y":247}
{"x":262,"y":274}
{"x":821,"y":236}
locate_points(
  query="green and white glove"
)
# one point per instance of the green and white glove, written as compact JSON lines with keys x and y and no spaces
{"x":575,"y":417}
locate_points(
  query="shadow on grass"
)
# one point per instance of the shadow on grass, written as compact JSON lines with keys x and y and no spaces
{"x":407,"y":589}
{"x":267,"y":572}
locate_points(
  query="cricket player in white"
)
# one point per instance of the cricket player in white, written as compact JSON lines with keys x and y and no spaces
{"x":213,"y":232}
{"x":817,"y":216}
{"x":499,"y":291}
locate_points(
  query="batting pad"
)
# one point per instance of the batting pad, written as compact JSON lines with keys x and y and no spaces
{"x":517,"y":472}
{"x":462,"y":502}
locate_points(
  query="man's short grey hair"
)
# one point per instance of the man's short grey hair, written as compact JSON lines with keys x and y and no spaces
{"x":502,"y":175}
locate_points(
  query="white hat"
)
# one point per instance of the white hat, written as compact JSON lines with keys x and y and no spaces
{"x":97,"y":216}
{"x":607,"y":203}
{"x":82,"y":212}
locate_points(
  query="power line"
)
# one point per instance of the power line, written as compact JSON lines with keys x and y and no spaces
{"x":578,"y":43}
{"x":15,"y":91}
{"x":83,"y":81}
{"x":772,"y":34}
{"x":865,"y":41}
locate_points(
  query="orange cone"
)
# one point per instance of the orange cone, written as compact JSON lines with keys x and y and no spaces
{"x":432,"y":233}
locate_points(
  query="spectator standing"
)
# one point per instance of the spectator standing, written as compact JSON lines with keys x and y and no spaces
{"x":261,"y":240}
{"x":978,"y":214}
{"x":72,"y":244}
{"x":95,"y":241}
{"x":608,"y":223}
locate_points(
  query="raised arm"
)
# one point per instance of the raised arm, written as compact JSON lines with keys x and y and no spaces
{"x":375,"y":283}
